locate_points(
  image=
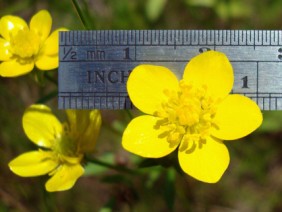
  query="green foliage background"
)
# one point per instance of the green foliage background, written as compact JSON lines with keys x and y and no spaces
{"x":253,"y":181}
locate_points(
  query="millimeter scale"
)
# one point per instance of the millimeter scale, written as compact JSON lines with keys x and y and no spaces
{"x":94,"y":65}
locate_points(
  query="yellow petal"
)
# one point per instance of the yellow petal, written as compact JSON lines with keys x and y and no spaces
{"x":51,"y":45}
{"x":47,"y":62}
{"x":146,"y":85}
{"x":12,"y":68}
{"x":64,"y":178}
{"x":41,"y":126}
{"x":207,"y":163}
{"x":5,"y":54}
{"x":144,"y":138}
{"x":41,"y":24}
{"x":33,"y":163}
{"x":236,"y":117}
{"x":84,"y":127}
{"x":10,"y":25}
{"x":211,"y":69}
{"x":71,"y":160}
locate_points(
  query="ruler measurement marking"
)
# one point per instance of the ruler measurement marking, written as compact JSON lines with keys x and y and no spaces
{"x":106,"y":98}
{"x":239,"y":45}
{"x":257,"y":78}
{"x":269,"y":101}
{"x":228,"y":41}
{"x":165,"y":61}
{"x":111,"y":92}
{"x":269,"y":97}
{"x":135,"y":48}
{"x":276,"y":104}
{"x":260,"y":37}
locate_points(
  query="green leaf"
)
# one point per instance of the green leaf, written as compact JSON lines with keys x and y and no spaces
{"x":233,"y":9}
{"x":118,"y":126}
{"x":202,"y":3}
{"x":154,"y":9}
{"x":272,"y":121}
{"x":169,"y":190}
{"x":154,"y":173}
{"x":108,"y":207}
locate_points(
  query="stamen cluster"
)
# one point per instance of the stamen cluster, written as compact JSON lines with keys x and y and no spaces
{"x":187,"y":116}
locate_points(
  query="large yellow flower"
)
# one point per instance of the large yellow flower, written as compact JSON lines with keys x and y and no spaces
{"x":62,"y":145}
{"x":194,"y":114}
{"x":23,"y":46}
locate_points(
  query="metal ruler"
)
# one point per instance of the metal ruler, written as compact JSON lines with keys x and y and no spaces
{"x":94,"y":65}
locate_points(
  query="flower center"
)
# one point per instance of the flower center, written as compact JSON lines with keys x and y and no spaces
{"x":25,"y":44}
{"x":188,"y":115}
{"x":65,"y":147}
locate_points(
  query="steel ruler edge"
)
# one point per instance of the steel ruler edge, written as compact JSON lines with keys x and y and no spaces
{"x":94,"y":65}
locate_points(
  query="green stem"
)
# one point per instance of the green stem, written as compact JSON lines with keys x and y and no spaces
{"x":88,"y":15}
{"x":50,"y":78}
{"x":129,"y":114}
{"x":169,"y":188}
{"x":81,"y":15}
{"x":38,"y":77}
{"x":48,"y":200}
{"x":110,"y":166}
{"x":48,"y":97}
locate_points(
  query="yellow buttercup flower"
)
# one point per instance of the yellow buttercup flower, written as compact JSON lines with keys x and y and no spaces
{"x":194,"y":114}
{"x":61,"y":145}
{"x":23,"y":46}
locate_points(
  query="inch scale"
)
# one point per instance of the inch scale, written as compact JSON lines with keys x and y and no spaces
{"x":94,"y":65}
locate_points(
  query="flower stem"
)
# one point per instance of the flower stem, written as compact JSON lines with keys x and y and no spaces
{"x":110,"y":166}
{"x":48,"y":97}
{"x":51,"y":78}
{"x":83,"y":15}
{"x":129,"y":114}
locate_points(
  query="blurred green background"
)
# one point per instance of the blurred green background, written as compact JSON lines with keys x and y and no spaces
{"x":253,"y":181}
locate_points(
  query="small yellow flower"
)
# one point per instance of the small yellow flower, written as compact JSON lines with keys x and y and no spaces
{"x":62,"y":145}
{"x":194,"y":114}
{"x":23,"y":46}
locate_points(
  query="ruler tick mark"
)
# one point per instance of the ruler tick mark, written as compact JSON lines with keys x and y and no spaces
{"x":111,"y":56}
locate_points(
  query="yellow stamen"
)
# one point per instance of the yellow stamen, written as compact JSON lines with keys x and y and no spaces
{"x":188,"y":116}
{"x":25,"y":44}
